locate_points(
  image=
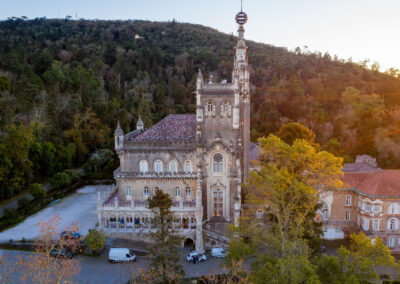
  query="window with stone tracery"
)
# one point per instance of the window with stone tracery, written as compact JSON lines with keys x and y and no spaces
{"x":158,"y":168}
{"x":218,"y":163}
{"x":188,"y":192}
{"x":143,"y":165}
{"x":226,"y":109}
{"x":146,"y":192}
{"x":188,"y":167}
{"x":172,"y":167}
{"x":210,"y":108}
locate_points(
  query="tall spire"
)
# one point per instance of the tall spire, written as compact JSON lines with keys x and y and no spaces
{"x":241,"y":19}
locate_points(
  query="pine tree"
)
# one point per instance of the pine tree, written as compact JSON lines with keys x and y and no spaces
{"x":164,"y":254}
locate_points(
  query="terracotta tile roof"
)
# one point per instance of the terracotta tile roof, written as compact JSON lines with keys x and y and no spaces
{"x":174,"y":127}
{"x":378,"y":182}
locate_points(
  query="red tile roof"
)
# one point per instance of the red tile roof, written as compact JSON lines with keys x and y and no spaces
{"x":378,"y":183}
{"x":174,"y":127}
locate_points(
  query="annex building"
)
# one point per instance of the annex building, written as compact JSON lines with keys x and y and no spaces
{"x":199,"y":159}
{"x":369,"y":201}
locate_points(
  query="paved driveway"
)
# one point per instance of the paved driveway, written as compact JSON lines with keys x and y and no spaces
{"x":79,"y":208}
{"x":99,"y":270}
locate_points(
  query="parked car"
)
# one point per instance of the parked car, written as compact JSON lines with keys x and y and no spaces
{"x":218,"y":252}
{"x":121,"y":255}
{"x":70,"y":235}
{"x":192,"y":256}
{"x":61,"y":253}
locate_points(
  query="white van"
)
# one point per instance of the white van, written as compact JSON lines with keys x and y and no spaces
{"x":121,"y":255}
{"x":218,"y":252}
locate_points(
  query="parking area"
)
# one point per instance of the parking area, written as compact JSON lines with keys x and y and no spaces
{"x":99,"y":270}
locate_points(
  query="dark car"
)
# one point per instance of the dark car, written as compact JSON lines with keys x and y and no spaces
{"x":70,"y":235}
{"x":58,"y":253}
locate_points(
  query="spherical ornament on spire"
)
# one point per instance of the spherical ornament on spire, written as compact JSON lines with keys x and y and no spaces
{"x":241,"y":18}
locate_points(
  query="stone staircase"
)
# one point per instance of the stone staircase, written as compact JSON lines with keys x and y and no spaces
{"x":214,"y":231}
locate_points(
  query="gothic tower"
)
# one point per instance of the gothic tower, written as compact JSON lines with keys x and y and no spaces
{"x":242,"y":75}
{"x":222,"y":132}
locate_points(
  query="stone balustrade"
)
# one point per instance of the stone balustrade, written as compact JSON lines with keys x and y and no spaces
{"x":218,"y":86}
{"x":169,"y":175}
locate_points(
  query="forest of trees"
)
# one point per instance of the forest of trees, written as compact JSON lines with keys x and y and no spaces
{"x":64,"y":85}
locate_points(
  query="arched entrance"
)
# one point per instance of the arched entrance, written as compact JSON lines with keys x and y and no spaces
{"x":188,"y":243}
{"x":218,"y":198}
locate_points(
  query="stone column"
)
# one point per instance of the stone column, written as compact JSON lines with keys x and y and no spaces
{"x":133,"y":223}
{"x":126,"y":223}
{"x":238,"y":199}
{"x":117,"y":222}
{"x":199,"y":216}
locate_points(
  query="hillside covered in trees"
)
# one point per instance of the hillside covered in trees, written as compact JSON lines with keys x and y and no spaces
{"x":65,"y":84}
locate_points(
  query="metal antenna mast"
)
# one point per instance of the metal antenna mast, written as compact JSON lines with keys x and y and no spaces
{"x":241,"y":5}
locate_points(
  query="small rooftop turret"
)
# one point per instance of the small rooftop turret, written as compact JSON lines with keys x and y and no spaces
{"x":119,"y":137}
{"x":118,"y":131}
{"x":140,"y":124}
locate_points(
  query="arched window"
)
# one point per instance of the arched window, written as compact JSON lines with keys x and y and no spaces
{"x":210,"y":108}
{"x":188,"y":167}
{"x":218,"y":163}
{"x":177,"y":191}
{"x":392,"y":208}
{"x":172,"y":167}
{"x":226,"y":109}
{"x":158,"y":166}
{"x":188,"y":192}
{"x":128,"y":191}
{"x":156,"y":189}
{"x":143,"y":165}
{"x":146,"y":192}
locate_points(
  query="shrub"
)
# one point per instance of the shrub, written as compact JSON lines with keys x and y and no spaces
{"x":60,"y":180}
{"x":10,"y":213}
{"x":24,"y":203}
{"x":73,"y":175}
{"x":95,"y":240}
{"x":37,"y":191}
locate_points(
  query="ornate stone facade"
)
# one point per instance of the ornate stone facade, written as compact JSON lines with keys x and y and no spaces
{"x":199,"y":159}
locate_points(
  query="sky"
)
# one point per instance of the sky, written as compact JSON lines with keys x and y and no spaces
{"x":357,"y":29}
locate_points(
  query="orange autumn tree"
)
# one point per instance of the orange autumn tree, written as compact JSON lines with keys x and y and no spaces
{"x":41,"y":266}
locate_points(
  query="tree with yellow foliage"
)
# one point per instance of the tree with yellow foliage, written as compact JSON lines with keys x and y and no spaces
{"x":284,"y":195}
